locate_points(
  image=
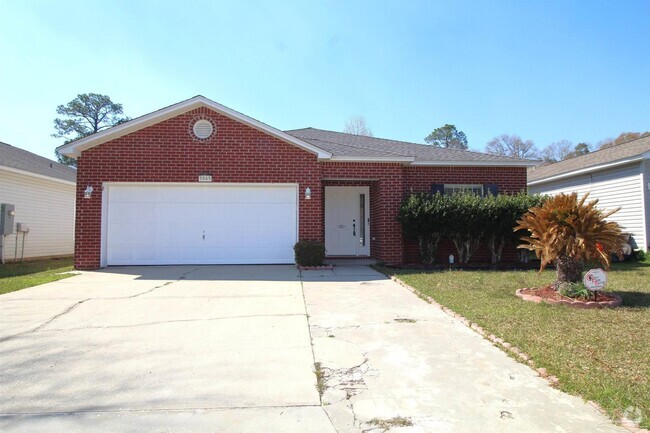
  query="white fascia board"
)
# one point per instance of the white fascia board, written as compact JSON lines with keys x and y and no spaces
{"x":476,"y":163}
{"x":75,"y":148}
{"x":36,"y":175}
{"x":591,"y":169}
{"x":388,"y":159}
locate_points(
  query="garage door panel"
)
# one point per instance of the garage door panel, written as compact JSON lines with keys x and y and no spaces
{"x":199,"y":224}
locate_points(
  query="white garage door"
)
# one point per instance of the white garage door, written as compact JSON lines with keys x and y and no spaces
{"x":199,"y":224}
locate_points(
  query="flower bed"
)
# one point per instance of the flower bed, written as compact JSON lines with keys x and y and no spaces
{"x":549,"y":295}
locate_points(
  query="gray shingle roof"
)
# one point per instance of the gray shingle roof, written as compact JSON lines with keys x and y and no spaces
{"x":20,"y":159}
{"x":341,"y":144}
{"x":612,"y":154}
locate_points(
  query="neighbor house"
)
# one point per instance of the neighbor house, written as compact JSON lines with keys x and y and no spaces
{"x":200,"y":183}
{"x":618,"y":176}
{"x":40,"y":194}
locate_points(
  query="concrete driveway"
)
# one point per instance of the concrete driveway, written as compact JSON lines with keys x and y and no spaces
{"x":233,"y":349}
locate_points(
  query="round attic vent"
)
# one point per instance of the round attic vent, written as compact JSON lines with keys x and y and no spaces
{"x":203,"y":129}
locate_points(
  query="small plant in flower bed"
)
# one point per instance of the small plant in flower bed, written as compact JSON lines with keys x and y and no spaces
{"x":574,"y":290}
{"x":569,"y":232}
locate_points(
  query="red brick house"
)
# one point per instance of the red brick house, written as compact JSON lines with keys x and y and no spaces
{"x":199,"y":183}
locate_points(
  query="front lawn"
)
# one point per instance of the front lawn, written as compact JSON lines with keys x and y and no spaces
{"x":602,"y":355}
{"x":16,"y":276}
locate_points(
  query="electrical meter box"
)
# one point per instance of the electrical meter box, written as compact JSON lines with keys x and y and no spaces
{"x":7,"y":219}
{"x":22,"y":228}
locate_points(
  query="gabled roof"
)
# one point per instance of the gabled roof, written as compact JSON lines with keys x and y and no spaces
{"x":74,"y":149}
{"x":327,"y":145}
{"x":16,"y":159}
{"x":624,"y":153}
{"x":357,"y":147}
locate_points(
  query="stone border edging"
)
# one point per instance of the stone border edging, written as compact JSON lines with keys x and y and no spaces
{"x":509,"y":348}
{"x":575,"y":303}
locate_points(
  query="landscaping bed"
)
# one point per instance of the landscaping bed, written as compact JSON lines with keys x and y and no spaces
{"x":552,"y":296}
{"x":601,"y":354}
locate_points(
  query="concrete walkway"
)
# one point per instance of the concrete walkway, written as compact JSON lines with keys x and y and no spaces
{"x":232,"y":349}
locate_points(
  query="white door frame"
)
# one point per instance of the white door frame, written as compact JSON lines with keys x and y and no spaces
{"x":106,"y":187}
{"x":359,"y":250}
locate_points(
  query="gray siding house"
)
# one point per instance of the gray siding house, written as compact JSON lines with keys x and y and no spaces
{"x":618,"y":176}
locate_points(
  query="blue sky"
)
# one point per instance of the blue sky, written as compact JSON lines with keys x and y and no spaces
{"x":545,"y":70}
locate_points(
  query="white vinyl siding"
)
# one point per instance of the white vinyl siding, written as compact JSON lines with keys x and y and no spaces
{"x":47,"y":207}
{"x":646,"y":192}
{"x":616,"y":187}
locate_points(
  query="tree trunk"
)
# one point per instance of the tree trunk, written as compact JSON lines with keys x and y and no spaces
{"x":569,"y":270}
{"x":496,"y":247}
{"x":428,"y":247}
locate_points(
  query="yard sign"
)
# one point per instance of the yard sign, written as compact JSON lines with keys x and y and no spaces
{"x":595,"y":279}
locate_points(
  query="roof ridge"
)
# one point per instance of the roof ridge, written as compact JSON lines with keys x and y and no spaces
{"x":426,"y":146}
{"x":352,"y":145}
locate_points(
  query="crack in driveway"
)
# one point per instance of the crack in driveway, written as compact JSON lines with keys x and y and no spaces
{"x":207,"y":319}
{"x":47,"y":322}
{"x":76,"y":304}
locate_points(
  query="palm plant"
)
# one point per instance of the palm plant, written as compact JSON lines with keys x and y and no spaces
{"x":568,"y":231}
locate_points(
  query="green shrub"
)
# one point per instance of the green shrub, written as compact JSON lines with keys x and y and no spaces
{"x":640,"y":256}
{"x":465,"y":219}
{"x":309,"y":253}
{"x":424,"y":218}
{"x":500,"y":214}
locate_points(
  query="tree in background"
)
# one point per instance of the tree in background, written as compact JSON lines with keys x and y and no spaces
{"x":86,"y":114}
{"x":557,"y":151}
{"x":622,"y":138}
{"x":357,"y":125}
{"x":564,"y":149}
{"x":579,"y":150}
{"x":511,"y":145}
{"x":448,"y":137}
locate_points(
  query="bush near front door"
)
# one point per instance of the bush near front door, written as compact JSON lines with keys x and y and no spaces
{"x":309,"y":253}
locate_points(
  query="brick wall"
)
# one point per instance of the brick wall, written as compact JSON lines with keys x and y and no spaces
{"x":166,"y":152}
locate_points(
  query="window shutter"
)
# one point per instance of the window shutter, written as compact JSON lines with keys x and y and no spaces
{"x":491,"y":188}
{"x":437,"y":188}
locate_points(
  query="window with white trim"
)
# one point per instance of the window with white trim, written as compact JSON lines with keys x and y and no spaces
{"x":463,"y":188}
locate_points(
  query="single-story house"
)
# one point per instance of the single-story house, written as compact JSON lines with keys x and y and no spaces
{"x":38,"y":201}
{"x":200,"y":183}
{"x":617,"y":176}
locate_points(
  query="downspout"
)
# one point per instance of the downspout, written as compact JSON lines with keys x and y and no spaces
{"x":2,"y":249}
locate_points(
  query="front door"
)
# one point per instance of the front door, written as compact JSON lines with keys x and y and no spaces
{"x":347,"y":220}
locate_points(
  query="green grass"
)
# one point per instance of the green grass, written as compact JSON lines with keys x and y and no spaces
{"x":16,"y":276}
{"x":601,"y":355}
